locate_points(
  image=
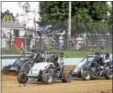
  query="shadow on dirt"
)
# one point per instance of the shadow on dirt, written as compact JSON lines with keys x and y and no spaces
{"x":80,"y":79}
{"x":42,"y":83}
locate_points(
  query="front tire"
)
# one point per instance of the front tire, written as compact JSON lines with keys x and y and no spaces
{"x":86,"y":75}
{"x":22,"y":78}
{"x":26,"y":67}
{"x":47,"y":78}
{"x":67,"y":77}
{"x":108,"y":74}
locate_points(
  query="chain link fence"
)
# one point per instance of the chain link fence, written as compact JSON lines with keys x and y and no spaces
{"x":84,"y":37}
{"x":48,"y":43}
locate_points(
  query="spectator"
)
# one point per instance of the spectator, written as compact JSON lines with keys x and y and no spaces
{"x":84,"y":35}
{"x":79,"y":42}
{"x":73,"y":42}
{"x":61,"y":41}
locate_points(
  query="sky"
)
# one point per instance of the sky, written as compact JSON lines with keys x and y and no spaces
{"x":14,"y":8}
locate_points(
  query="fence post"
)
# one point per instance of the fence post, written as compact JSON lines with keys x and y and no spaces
{"x":98,"y":41}
{"x":86,"y":42}
{"x":10,"y":39}
{"x":107,"y":41}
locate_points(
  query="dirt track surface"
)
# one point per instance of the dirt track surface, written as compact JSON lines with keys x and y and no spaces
{"x":10,"y":85}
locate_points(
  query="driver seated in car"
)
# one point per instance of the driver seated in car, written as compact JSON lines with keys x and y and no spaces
{"x":104,"y":61}
{"x":111,"y":62}
{"x":101,"y":62}
{"x":107,"y":58}
{"x":99,"y":59}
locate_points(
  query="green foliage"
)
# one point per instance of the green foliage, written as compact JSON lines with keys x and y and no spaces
{"x":85,"y":14}
{"x":7,"y":16}
{"x":54,"y":13}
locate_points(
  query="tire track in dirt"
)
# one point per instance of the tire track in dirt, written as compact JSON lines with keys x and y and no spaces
{"x":76,"y":86}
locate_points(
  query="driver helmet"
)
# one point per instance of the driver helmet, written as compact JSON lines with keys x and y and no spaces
{"x":107,"y":55}
{"x":97,"y":53}
{"x":97,"y":56}
{"x":62,"y":54}
{"x":33,"y":50}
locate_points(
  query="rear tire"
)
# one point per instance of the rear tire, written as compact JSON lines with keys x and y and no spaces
{"x":22,"y":78}
{"x":26,"y":67}
{"x":67,"y":77}
{"x":108,"y":74}
{"x":47,"y":78}
{"x":6,"y":70}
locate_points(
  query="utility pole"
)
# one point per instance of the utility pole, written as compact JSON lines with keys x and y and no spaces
{"x":69,"y":21}
{"x":68,"y":33}
{"x":35,"y":32}
{"x":26,"y":8}
{"x":35,"y":29}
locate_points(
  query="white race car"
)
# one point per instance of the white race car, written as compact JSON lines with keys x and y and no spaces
{"x":46,"y":71}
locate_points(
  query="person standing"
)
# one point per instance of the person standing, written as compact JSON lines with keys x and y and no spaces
{"x":79,"y":42}
{"x":84,"y":35}
{"x":73,"y":42}
{"x":61,"y":42}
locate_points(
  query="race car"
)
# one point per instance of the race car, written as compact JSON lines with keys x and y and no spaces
{"x":87,"y":60}
{"x":47,"y":71}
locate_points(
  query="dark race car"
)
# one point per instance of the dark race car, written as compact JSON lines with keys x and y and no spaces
{"x":87,"y":61}
{"x":15,"y":67}
{"x":99,"y":67}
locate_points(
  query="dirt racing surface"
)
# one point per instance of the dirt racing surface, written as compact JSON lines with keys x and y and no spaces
{"x":10,"y":85}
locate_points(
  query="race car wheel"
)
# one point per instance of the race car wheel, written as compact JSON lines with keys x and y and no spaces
{"x":86,"y":75}
{"x":22,"y":78}
{"x":108,"y":74}
{"x":47,"y":78}
{"x":67,"y":77}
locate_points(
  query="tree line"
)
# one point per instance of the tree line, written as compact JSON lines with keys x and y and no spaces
{"x":93,"y":16}
{"x":86,"y":15}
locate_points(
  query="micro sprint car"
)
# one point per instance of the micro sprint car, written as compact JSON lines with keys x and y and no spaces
{"x":15,"y":67}
{"x":47,"y":70}
{"x":97,"y":68}
{"x":77,"y":71}
{"x":84,"y":63}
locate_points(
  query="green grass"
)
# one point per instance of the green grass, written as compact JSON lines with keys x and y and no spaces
{"x":75,"y":54}
{"x":10,"y":52}
{"x":67,"y":54}
{"x":79,"y":53}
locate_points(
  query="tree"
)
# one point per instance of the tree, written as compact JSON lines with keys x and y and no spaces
{"x":84,"y":14}
{"x":25,"y":6}
{"x":7,"y":16}
{"x":54,"y":13}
